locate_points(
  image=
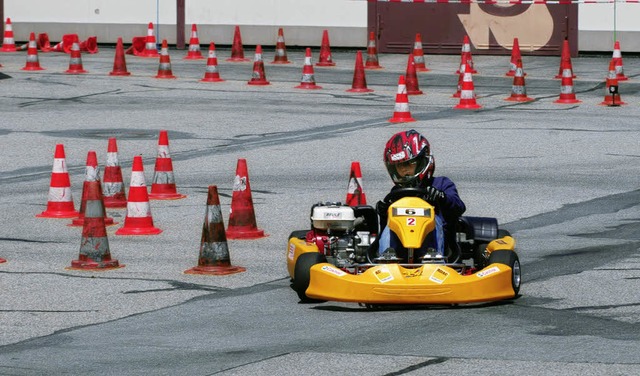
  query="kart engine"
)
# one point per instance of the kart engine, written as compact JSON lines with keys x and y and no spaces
{"x":338,"y":234}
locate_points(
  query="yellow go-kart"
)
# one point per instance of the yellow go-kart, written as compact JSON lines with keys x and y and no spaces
{"x":338,"y":260}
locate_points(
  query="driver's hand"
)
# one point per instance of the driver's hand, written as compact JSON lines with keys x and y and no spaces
{"x":434,"y":196}
{"x":382,"y":207}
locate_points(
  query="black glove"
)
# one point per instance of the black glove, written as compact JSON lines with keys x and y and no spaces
{"x":382,"y":207}
{"x":434,"y":196}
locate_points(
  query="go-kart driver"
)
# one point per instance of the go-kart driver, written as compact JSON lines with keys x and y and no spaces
{"x":407,"y":156}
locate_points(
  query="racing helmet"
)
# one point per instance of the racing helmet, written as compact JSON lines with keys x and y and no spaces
{"x":409,"y":148}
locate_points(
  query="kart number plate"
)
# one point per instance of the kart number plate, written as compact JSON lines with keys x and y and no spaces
{"x":412,"y":212}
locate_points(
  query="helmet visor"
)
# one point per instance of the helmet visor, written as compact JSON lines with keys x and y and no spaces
{"x":407,"y":172}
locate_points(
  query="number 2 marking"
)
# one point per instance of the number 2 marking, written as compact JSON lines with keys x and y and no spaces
{"x":411,"y":221}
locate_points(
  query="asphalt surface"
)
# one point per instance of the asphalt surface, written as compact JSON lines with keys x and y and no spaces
{"x":562,"y":178}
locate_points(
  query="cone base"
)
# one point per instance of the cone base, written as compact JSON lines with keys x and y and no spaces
{"x":114,"y":73}
{"x":239,"y":233}
{"x":567,"y":101}
{"x":32,"y":68}
{"x":468,"y":106}
{"x":166,"y":196}
{"x":398,"y":119}
{"x":138,"y":231}
{"x":237,"y":59}
{"x":259,"y":83}
{"x":373,"y":67}
{"x":608,"y":101}
{"x":78,"y":222}
{"x":215,"y":270}
{"x":161,"y":76}
{"x":196,"y":57}
{"x":415,"y":92}
{"x":9,"y":49}
{"x":308,"y":87}
{"x":359,"y":90}
{"x":519,"y":99}
{"x":75,"y":71}
{"x":58,"y":214}
{"x":423,"y":69}
{"x":149,"y":53}
{"x":212,"y":80}
{"x":280,"y":62}
{"x":325,"y":64}
{"x":93,"y":265}
{"x":622,"y":78}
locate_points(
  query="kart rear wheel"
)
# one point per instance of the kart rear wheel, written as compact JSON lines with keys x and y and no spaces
{"x":510,"y":259}
{"x":302,"y":274}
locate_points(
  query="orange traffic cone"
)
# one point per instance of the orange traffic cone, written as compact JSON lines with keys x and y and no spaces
{"x":237,"y":51}
{"x":75,"y":60}
{"x":567,"y":93}
{"x":467,"y":92}
{"x":119,"y":61}
{"x":355,"y":192}
{"x":211,"y":73}
{"x":281,"y":50}
{"x":138,"y":220}
{"x":33,"y":64}
{"x":164,"y":183}
{"x":164,"y":68}
{"x":518,"y":90}
{"x":401,"y":112}
{"x":308,"y":80}
{"x":372,"y":53}
{"x":565,"y":59}
{"x":214,"y":257}
{"x":515,"y":55}
{"x":90,"y":45}
{"x":112,"y":185}
{"x":359,"y":84}
{"x":8,"y":43}
{"x":94,"y":246}
{"x":91,"y":177}
{"x":258,"y":77}
{"x":466,"y":54}
{"x":150,"y":48}
{"x":194,"y":52}
{"x":325,"y":59}
{"x":617,"y":56}
{"x":137,"y":48}
{"x":43,"y":42}
{"x":60,"y":203}
{"x":2,"y":260}
{"x":413,"y":88}
{"x":612,"y":98}
{"x":66,"y":43}
{"x":242,"y":218}
{"x":418,"y":56}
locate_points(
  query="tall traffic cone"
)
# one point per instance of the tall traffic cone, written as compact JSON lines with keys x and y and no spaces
{"x":518,"y":90}
{"x":325,"y":59}
{"x":612,"y":98}
{"x":213,"y":258}
{"x":617,"y":56}
{"x":119,"y":61}
{"x":308,"y":80}
{"x":465,"y":53}
{"x":90,"y":45}
{"x":467,"y":91}
{"x":515,"y":55}
{"x":413,"y":88}
{"x":164,"y":183}
{"x":43,"y":42}
{"x":60,"y":202}
{"x":359,"y":84}
{"x":194,"y":52}
{"x":75,"y":60}
{"x":8,"y":43}
{"x":94,"y":246}
{"x":281,"y":50}
{"x":112,"y":184}
{"x":401,"y":112}
{"x":258,"y":76}
{"x":418,"y":56}
{"x":567,"y":93}
{"x":33,"y":64}
{"x":242,"y":218}
{"x":565,"y":59}
{"x":150,"y":47}
{"x":91,"y":178}
{"x":237,"y":51}
{"x":211,"y":73}
{"x":138,"y":220}
{"x":355,"y":192}
{"x":372,"y":53}
{"x":164,"y":67}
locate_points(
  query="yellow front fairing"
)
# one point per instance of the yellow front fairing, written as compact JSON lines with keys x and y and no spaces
{"x":295,"y":248}
{"x":411,"y":219}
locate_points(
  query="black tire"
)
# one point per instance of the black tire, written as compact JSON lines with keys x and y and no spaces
{"x":302,"y":274}
{"x":509,"y":258}
{"x":502,"y":233}
{"x":300,"y":234}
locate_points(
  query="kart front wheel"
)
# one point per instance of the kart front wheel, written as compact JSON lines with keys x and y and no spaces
{"x":302,"y":274}
{"x":510,"y":259}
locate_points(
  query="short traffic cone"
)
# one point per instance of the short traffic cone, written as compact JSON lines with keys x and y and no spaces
{"x":75,"y":60}
{"x":242,"y":218}
{"x":66,"y":43}
{"x":138,"y":220}
{"x":43,"y":42}
{"x":213,"y":258}
{"x":91,"y":177}
{"x":325,"y":59}
{"x":518,"y":90}
{"x":281,"y":50}
{"x":33,"y":64}
{"x":372,"y":53}
{"x":194,"y":52}
{"x":355,"y":192}
{"x":90,"y":45}
{"x":164,"y":68}
{"x":94,"y":246}
{"x":308,"y":80}
{"x":359,"y":84}
{"x":112,"y":184}
{"x":237,"y":51}
{"x":567,"y":93}
{"x":466,"y":54}
{"x":418,"y":56}
{"x":150,"y":47}
{"x":119,"y":61}
{"x":60,"y":202}
{"x":137,"y":48}
{"x":211,"y":73}
{"x":617,"y":56}
{"x":515,"y":55}
{"x":565,"y":59}
{"x":401,"y":112}
{"x":467,"y":91}
{"x":413,"y":88}
{"x":164,"y":183}
{"x":612,"y":99}
{"x":8,"y":43}
{"x":258,"y":76}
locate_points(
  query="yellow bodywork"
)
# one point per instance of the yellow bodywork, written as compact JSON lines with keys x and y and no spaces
{"x":411,"y":219}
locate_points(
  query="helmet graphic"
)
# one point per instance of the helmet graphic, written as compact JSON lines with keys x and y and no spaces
{"x":407,"y":156}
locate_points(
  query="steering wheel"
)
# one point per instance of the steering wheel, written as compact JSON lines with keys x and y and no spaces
{"x":401,"y":192}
